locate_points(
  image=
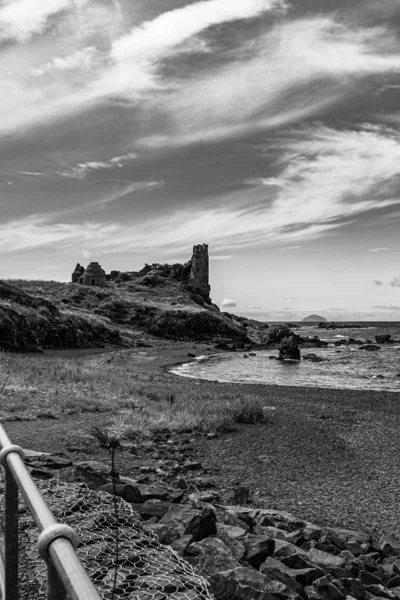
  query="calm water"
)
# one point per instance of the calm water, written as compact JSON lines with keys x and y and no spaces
{"x":347,"y":368}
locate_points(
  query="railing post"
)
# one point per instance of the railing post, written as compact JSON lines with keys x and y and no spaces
{"x":55,"y":588}
{"x":11,"y":537}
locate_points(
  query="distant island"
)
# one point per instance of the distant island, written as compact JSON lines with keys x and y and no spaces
{"x":314,"y":319}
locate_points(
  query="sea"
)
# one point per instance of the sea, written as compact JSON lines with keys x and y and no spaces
{"x":346,"y":367}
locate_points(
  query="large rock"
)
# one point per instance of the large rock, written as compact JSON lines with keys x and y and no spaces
{"x":210,"y":556}
{"x":389,"y":546}
{"x":276,"y":333}
{"x":289,"y":349}
{"x":301,"y":577}
{"x":258,"y":549}
{"x":383,"y":339}
{"x":202,"y":526}
{"x":324,"y":559}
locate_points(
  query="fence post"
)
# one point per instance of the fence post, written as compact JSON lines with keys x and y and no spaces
{"x":11,"y":537}
{"x":55,"y":588}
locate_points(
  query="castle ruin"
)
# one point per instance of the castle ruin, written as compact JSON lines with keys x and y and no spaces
{"x":199,"y":271}
{"x":195,"y":273}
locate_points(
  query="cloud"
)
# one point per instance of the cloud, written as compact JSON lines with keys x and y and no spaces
{"x":377,"y":282}
{"x":297,"y":69}
{"x":395,"y":281}
{"x":38,"y":231}
{"x":326,"y":178}
{"x":80,"y":170}
{"x":338,"y":309}
{"x":170,"y":29}
{"x":288,"y":248}
{"x":378,"y":249}
{"x":20,"y":20}
{"x":222,"y":257}
{"x":254,"y":306}
{"x":387,"y":307}
{"x":80,"y":59}
{"x":227,"y":303}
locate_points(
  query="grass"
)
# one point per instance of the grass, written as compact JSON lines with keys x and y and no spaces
{"x":141,"y":400}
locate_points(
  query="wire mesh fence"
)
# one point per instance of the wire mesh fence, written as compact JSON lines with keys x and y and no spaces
{"x":123,"y":557}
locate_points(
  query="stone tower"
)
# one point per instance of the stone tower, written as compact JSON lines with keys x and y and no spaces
{"x":199,"y":271}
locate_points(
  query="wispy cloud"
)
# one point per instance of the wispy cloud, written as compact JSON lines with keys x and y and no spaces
{"x":254,"y":307}
{"x":326,"y":178}
{"x":297,"y":69}
{"x":170,"y":29}
{"x":378,"y":249}
{"x":80,"y":170}
{"x":220,"y":257}
{"x":378,"y":282}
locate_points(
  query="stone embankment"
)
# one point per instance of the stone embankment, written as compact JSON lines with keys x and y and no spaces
{"x":237,"y":552}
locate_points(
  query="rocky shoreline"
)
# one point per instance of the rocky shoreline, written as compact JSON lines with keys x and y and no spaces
{"x":242,"y":551}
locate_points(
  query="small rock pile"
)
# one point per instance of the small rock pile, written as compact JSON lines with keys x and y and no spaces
{"x":191,"y":545}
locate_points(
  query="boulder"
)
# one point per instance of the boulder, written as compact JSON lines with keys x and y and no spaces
{"x":258,"y":549}
{"x":124,"y":490}
{"x":289,"y":349}
{"x":233,"y":538}
{"x":303,"y":577}
{"x":369,"y":348}
{"x":324,"y":559}
{"x":347,"y":535}
{"x":327,"y":590}
{"x":388,"y":546}
{"x":202,"y":525}
{"x":313,"y":358}
{"x":93,"y":473}
{"x":291,"y":556}
{"x":383,"y":339}
{"x":276,"y":333}
{"x":179,"y":516}
{"x":210,"y":556}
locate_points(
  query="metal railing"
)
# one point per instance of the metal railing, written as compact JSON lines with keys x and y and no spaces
{"x":56,"y":543}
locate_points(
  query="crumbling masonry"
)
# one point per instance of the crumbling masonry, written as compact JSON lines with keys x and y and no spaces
{"x":195,"y":273}
{"x":199,"y":271}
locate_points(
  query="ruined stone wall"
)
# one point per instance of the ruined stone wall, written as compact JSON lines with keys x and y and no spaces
{"x":199,"y":271}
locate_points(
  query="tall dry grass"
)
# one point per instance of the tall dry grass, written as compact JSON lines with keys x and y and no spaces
{"x":34,"y":387}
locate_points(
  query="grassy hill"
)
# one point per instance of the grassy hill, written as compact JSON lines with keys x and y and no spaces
{"x":47,"y":314}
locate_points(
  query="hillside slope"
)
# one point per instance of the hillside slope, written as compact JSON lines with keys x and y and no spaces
{"x":37,"y":314}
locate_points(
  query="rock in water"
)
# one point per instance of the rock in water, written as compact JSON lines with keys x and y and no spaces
{"x":289,"y":348}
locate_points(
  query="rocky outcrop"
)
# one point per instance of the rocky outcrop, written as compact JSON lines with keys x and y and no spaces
{"x":276,"y":333}
{"x":32,"y":323}
{"x":289,"y":349}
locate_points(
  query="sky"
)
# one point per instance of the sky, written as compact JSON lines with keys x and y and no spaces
{"x":131,"y":130}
